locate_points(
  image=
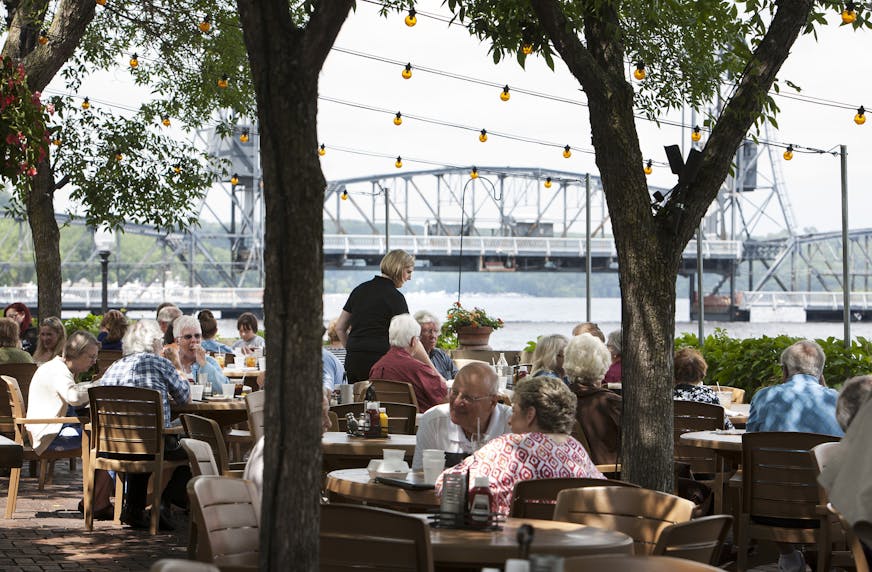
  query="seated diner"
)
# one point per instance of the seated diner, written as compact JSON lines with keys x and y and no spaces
{"x":689,"y":370}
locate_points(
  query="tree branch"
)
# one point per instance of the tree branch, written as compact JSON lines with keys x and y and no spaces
{"x":66,"y":31}
{"x":323,"y":27}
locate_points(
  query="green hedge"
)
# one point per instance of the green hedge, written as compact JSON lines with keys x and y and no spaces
{"x":753,"y":363}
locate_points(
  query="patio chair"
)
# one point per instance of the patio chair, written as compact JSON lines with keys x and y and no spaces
{"x":236,"y":438}
{"x":127,"y":436}
{"x":390,"y":540}
{"x":23,"y":373}
{"x":15,"y":403}
{"x":781,"y":498}
{"x":200,"y":457}
{"x":640,"y":513}
{"x":179,"y":565}
{"x":537,"y":499}
{"x":227,"y":519}
{"x":633,"y":564}
{"x":401,"y":416}
{"x":394,"y":391}
{"x":208,"y":430}
{"x":693,"y":416}
{"x":699,"y":539}
{"x":106,"y":358}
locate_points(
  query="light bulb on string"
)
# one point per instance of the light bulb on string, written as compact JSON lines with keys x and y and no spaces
{"x":547,"y":182}
{"x":407,"y":71}
{"x":119,"y":156}
{"x":101,"y":2}
{"x":166,"y":121}
{"x":474,"y":173}
{"x":639,"y":72}
{"x":504,"y":95}
{"x":398,"y":118}
{"x":205,"y":24}
{"x":322,"y":150}
{"x":567,"y":152}
{"x":177,"y":168}
{"x":788,"y":153}
{"x":527,"y":48}
{"x":134,"y":61}
{"x":849,"y":14}
{"x":86,"y":103}
{"x":648,"y":167}
{"x":695,"y":136}
{"x":234,"y":180}
{"x":222,"y":81}
{"x":860,"y":118}
{"x":245,"y":136}
{"x":344,"y":195}
{"x":399,"y":162}
{"x":43,"y":38}
{"x":411,"y":18}
{"x":56,"y":141}
{"x":482,"y":136}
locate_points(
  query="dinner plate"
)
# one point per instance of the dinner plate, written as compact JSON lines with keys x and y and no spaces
{"x":218,"y":398}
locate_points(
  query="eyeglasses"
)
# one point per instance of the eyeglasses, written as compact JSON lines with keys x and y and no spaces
{"x":192,"y":336}
{"x":464,"y":398}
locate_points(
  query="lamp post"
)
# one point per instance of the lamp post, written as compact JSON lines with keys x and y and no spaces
{"x":104,"y":240}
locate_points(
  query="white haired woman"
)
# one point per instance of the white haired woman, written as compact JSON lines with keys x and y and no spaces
{"x":429,"y":336}
{"x":539,"y":447}
{"x":598,"y":410}
{"x":548,"y":356}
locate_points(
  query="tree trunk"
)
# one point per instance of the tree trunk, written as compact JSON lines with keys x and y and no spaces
{"x":46,"y":240}
{"x":285,"y":63}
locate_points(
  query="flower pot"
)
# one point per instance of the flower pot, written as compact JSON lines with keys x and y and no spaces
{"x":474,"y":337}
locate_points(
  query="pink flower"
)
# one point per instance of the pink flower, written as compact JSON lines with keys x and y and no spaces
{"x":31,"y":172}
{"x":21,"y":71}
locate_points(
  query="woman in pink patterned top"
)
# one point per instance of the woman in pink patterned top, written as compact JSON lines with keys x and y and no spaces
{"x":539,"y":447}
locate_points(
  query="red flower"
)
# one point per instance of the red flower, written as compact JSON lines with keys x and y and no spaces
{"x":31,"y":172}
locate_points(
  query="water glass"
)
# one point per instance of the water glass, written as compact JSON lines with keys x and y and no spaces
{"x":726,"y":398}
{"x":433,"y":467}
{"x":228,"y":389}
{"x":196,"y":392}
{"x":219,"y":357}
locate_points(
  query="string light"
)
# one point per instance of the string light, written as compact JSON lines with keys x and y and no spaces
{"x":849,"y":14}
{"x":234,"y":180}
{"x":474,"y":173}
{"x":344,"y":195}
{"x":86,"y":103}
{"x":527,"y":48}
{"x":134,"y":60}
{"x":788,"y":154}
{"x":411,"y":18}
{"x":407,"y":71}
{"x":101,"y":2}
{"x":119,"y":156}
{"x":648,"y":167}
{"x":696,"y":135}
{"x":482,"y":136}
{"x":567,"y":152}
{"x":177,"y":168}
{"x":205,"y":25}
{"x":56,"y":141}
{"x":245,"y":136}
{"x":222,"y":81}
{"x":398,"y":118}
{"x":399,"y":162}
{"x":547,"y":182}
{"x":166,"y":120}
{"x":322,"y":150}
{"x":505,"y":94}
{"x":639,"y":72}
{"x":860,"y":118}
{"x":43,"y":38}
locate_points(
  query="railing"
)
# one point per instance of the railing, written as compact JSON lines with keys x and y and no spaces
{"x":807,"y":300}
{"x":144,"y":296}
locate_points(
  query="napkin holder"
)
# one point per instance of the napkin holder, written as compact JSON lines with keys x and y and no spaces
{"x":453,"y":510}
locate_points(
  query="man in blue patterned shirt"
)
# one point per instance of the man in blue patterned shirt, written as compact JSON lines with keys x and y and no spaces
{"x":142,"y":367}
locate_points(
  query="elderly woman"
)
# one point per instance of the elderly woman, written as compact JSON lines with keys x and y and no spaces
{"x":363,"y":324}
{"x":10,"y":343}
{"x":539,"y":447}
{"x":598,"y":410}
{"x":52,"y":337}
{"x":26,"y":332}
{"x":548,"y":356}
{"x":190,"y":358}
{"x":113,"y":326}
{"x":614,"y":345}
{"x":690,"y":369}
{"x":429,"y":336}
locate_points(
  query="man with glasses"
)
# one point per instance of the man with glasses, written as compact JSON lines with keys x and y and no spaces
{"x":192,"y":358}
{"x":471,"y":418}
{"x":429,"y":335}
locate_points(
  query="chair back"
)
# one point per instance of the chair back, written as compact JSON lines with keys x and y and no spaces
{"x":699,"y":540}
{"x":255,"y":403}
{"x":692,"y":416}
{"x":180,"y":565}
{"x":127,"y":420}
{"x":823,"y":453}
{"x":401,"y":416}
{"x":227,"y":517}
{"x":15,"y":403}
{"x":390,"y":540}
{"x":205,"y":429}
{"x":23,"y":373}
{"x":394,"y":391}
{"x":537,"y":499}
{"x":639,"y":513}
{"x":633,"y":564}
{"x":201,"y":458}
{"x":105,"y":358}
{"x":779,"y":475}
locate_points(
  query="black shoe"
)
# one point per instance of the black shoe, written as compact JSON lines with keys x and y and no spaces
{"x":165,"y":522}
{"x":105,"y":513}
{"x":135,"y":518}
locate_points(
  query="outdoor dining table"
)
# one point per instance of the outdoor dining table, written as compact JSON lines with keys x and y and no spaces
{"x":224,"y":412}
{"x":342,"y":451}
{"x":727,"y":446}
{"x":474,"y":549}
{"x":356,"y":485}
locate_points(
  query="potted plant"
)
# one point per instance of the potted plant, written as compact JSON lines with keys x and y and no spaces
{"x":470,"y":328}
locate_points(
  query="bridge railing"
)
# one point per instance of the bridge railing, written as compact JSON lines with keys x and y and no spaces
{"x":139,"y":296}
{"x":806,"y":300}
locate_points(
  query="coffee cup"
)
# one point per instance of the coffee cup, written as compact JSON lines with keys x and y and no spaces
{"x":433,"y":467}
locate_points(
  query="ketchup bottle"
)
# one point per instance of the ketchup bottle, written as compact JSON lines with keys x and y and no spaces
{"x":480,"y":502}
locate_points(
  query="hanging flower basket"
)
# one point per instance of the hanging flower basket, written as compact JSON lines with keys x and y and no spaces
{"x":471,"y":328}
{"x":474,"y":337}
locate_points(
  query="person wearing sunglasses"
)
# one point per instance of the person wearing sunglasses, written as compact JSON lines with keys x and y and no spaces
{"x":471,"y":418}
{"x":193,"y":360}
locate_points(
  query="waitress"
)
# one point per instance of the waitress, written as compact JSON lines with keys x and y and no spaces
{"x":363,"y":324}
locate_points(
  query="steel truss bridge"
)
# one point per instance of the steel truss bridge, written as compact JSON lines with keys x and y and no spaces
{"x":508,"y":219}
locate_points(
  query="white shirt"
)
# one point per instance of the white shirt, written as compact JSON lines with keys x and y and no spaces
{"x":436,"y":431}
{"x":52,"y":389}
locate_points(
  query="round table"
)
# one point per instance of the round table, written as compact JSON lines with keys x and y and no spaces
{"x":727,"y":446}
{"x":476,"y":549}
{"x":340,"y":451}
{"x":224,"y":413}
{"x":356,"y":485}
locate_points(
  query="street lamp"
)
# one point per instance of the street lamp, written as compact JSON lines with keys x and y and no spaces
{"x":104,"y":240}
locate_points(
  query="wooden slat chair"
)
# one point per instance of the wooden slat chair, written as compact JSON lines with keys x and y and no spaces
{"x":227,"y":519}
{"x":105,"y":358}
{"x":200,"y":457}
{"x":255,"y":403}
{"x":639,"y":513}
{"x":23,"y":373}
{"x":208,"y":430}
{"x":699,"y":539}
{"x":394,"y":391}
{"x":390,"y":540}
{"x":401,"y":416}
{"x":633,"y":564}
{"x":15,"y":401}
{"x":537,"y":499}
{"x":127,"y":436}
{"x":781,"y":495}
{"x":692,"y":416}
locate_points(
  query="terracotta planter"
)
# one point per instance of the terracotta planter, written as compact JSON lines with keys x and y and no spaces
{"x":474,"y":338}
